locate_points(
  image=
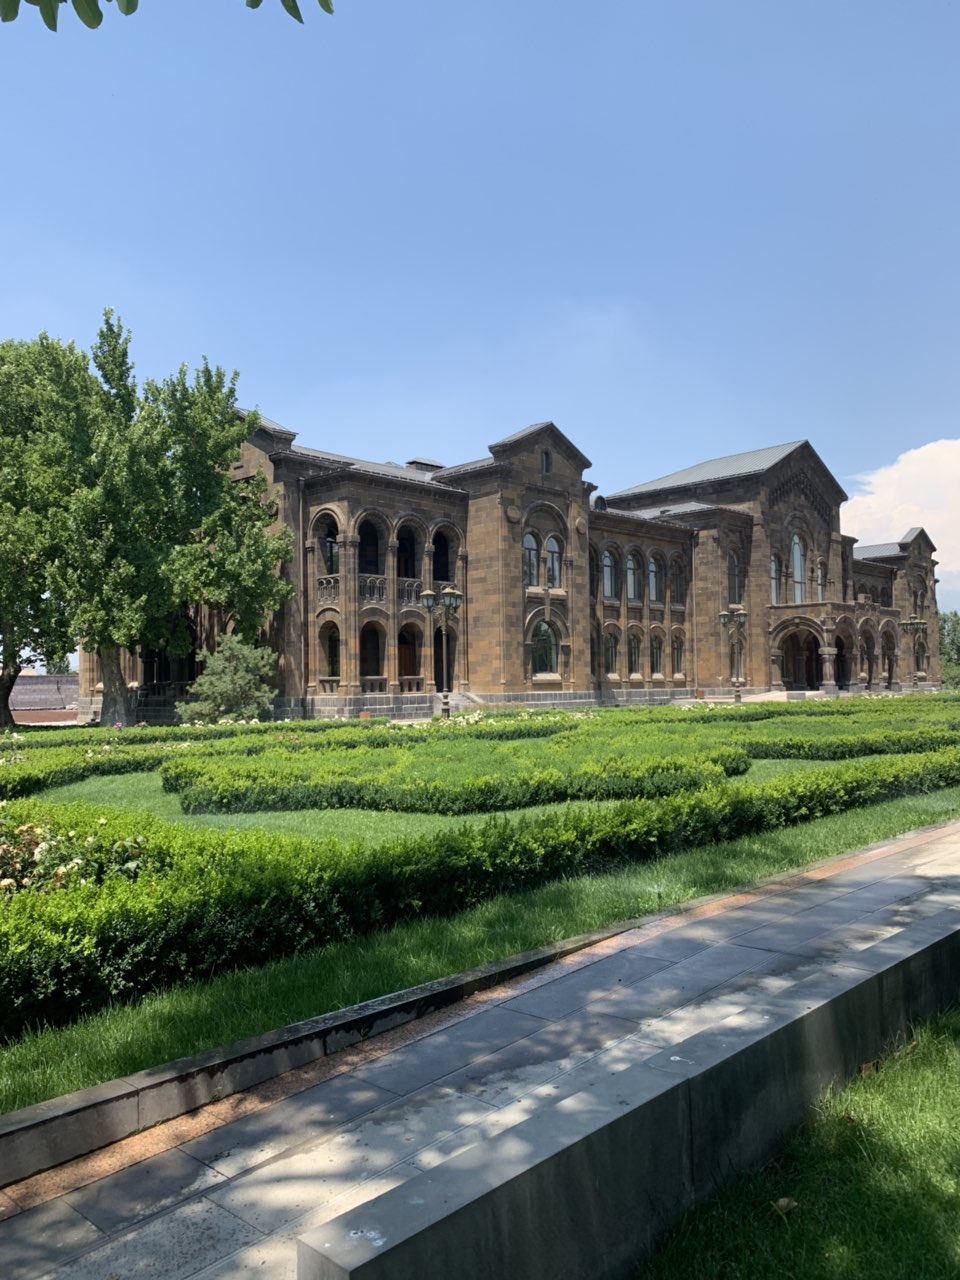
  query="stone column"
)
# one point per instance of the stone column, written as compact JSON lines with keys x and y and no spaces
{"x":828,"y":682}
{"x":776,"y":669}
{"x":350,"y":617}
{"x":463,"y":626}
{"x":390,"y":659}
{"x":310,"y":617}
{"x":427,"y":661}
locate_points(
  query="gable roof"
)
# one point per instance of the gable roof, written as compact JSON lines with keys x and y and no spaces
{"x":753,"y":462}
{"x":883,"y":550}
{"x":541,"y":429}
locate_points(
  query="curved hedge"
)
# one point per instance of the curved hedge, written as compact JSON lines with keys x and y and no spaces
{"x":214,"y":786}
{"x":209,"y":901}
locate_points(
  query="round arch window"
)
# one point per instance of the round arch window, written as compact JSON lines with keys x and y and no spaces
{"x":546,"y":650}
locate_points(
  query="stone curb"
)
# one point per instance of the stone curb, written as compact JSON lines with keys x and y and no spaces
{"x":50,"y":1133}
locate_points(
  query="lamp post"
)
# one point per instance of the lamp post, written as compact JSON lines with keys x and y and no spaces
{"x":449,"y":602}
{"x":734,"y":622}
{"x":916,"y":628}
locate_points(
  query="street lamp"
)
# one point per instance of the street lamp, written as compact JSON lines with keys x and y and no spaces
{"x":450,"y":601}
{"x":734,"y":622}
{"x":916,"y":628}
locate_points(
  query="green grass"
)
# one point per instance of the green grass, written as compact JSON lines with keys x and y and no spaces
{"x":200,"y":1016}
{"x":875,"y":1179}
{"x":143,"y":792}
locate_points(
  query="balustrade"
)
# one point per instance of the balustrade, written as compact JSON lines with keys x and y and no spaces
{"x":411,"y":684}
{"x":408,"y":590}
{"x":372,"y":588}
{"x":373,"y":684}
{"x":328,"y":589}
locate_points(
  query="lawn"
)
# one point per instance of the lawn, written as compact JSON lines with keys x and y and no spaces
{"x":158,"y":933}
{"x":871,"y":1187}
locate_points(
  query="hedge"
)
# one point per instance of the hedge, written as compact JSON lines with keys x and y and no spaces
{"x":210,"y":901}
{"x":848,"y":746}
{"x":207,"y":785}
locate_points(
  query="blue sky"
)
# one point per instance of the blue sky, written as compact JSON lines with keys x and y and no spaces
{"x":678,"y":228}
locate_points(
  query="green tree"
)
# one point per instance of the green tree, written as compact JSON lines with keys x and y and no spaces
{"x":235,"y":684}
{"x":50,"y":407}
{"x":950,"y":648}
{"x":91,"y":15}
{"x":156,"y":521}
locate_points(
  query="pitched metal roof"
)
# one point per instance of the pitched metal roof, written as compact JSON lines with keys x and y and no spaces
{"x":877,"y":551}
{"x":735,"y":464}
{"x":393,"y":470}
{"x":666,"y":511}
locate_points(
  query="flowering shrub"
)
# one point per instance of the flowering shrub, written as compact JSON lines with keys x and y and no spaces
{"x":36,"y":857}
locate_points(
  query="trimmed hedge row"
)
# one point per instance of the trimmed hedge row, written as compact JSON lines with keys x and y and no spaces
{"x":887,"y":742}
{"x":208,"y":786}
{"x":260,"y":737}
{"x":229,"y":899}
{"x":23,"y":775}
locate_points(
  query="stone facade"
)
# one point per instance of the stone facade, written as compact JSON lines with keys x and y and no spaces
{"x":730,"y":572}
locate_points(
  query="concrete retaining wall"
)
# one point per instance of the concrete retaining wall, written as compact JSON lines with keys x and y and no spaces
{"x":585,"y":1187}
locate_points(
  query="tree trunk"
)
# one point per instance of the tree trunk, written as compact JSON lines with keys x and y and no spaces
{"x":8,"y":678}
{"x":116,"y":707}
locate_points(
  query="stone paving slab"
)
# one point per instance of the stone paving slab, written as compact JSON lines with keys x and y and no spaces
{"x":435,"y":1106}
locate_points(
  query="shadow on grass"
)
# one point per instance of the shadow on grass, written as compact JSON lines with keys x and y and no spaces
{"x":875,"y":1180}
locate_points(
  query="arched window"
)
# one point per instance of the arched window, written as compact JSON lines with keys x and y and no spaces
{"x":594,"y":577}
{"x":332,"y":648}
{"x":921,"y":658}
{"x":531,"y":560}
{"x":611,"y":578}
{"x":610,"y":651}
{"x":734,"y":579}
{"x":657,"y":580}
{"x":441,"y":558}
{"x":546,"y":650}
{"x":886,"y":599}
{"x":554,"y":561}
{"x":634,"y":654}
{"x":329,"y":546}
{"x":736,"y":660}
{"x":656,"y":656}
{"x":368,"y":560}
{"x":406,"y":554}
{"x":678,"y":583}
{"x":822,"y":581}
{"x":634,"y":580}
{"x":776,"y":580}
{"x":678,"y":655}
{"x":798,"y":554}
{"x":546,"y":462}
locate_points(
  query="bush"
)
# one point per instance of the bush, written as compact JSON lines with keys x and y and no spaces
{"x":235,"y":684}
{"x":212,"y":900}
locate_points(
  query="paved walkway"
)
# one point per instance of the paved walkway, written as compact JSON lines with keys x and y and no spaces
{"x":223,"y":1193}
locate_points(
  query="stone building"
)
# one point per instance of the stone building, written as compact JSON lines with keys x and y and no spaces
{"x":733,"y":571}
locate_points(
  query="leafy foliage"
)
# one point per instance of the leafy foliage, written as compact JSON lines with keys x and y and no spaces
{"x":153,"y":501}
{"x":205,"y":902}
{"x":91,"y":15}
{"x":235,"y":684}
{"x":950,"y":648}
{"x":50,"y":409}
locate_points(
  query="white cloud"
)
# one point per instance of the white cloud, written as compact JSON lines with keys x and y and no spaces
{"x":921,"y":488}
